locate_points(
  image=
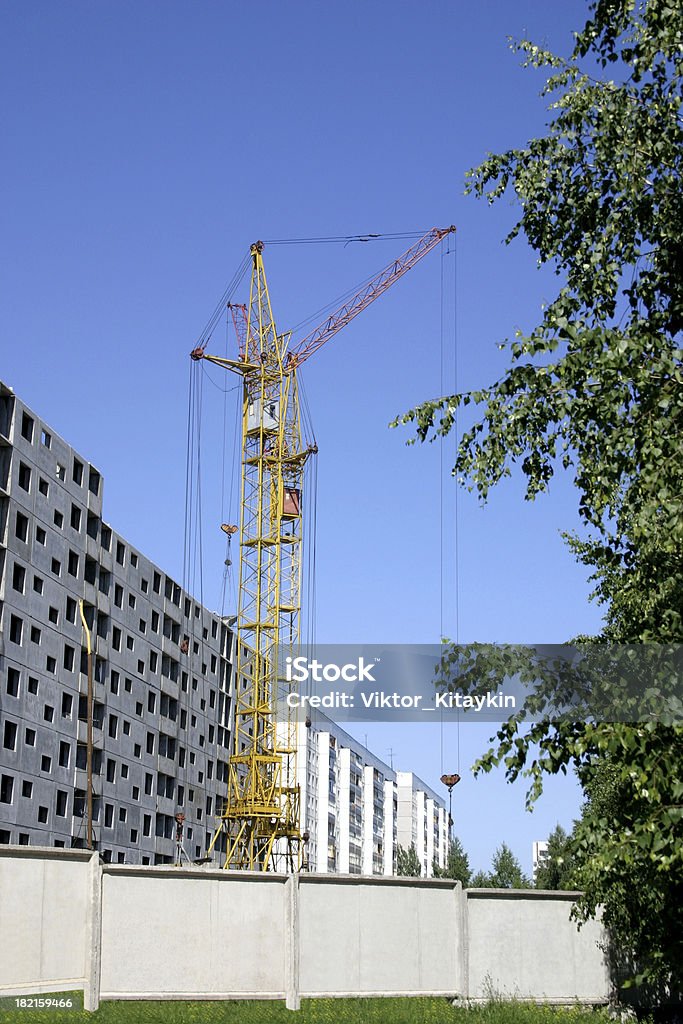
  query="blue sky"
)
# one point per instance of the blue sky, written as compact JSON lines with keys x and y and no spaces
{"x":146,"y":146}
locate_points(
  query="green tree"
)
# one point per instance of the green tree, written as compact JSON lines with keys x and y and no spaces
{"x":596,"y":390}
{"x":507,"y":871}
{"x":407,"y":862}
{"x":557,"y":869}
{"x":457,"y":864}
{"x":642,"y":903}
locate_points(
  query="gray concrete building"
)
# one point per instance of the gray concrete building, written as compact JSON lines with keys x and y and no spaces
{"x":161,"y":665}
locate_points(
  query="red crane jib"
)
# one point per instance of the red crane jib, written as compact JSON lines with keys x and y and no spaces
{"x":371,"y":291}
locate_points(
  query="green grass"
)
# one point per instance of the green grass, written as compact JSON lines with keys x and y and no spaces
{"x":313,"y":1011}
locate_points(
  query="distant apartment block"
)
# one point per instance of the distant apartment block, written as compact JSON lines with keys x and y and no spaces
{"x":422,"y":821}
{"x":356,"y":810}
{"x":161,"y":667}
{"x":539,"y":855}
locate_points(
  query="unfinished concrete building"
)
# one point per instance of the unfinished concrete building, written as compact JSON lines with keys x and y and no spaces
{"x":160,"y":664}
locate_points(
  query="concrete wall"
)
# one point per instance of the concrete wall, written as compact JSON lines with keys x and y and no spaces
{"x":523,"y":944}
{"x":198,"y":933}
{"x":376,"y":936}
{"x":49,"y":921}
{"x":176,"y":933}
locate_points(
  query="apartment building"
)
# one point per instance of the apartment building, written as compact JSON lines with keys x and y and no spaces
{"x":539,"y":855}
{"x":422,"y":821}
{"x":160,"y":662}
{"x":357,"y":810}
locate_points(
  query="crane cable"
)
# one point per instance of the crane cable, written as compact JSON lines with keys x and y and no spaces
{"x":228,"y":512}
{"x":333,"y":304}
{"x":227,"y":295}
{"x":366,"y":237}
{"x":442,"y":390}
{"x":193,"y":583}
{"x":187,"y":545}
{"x":320,"y":313}
{"x":193,"y":553}
{"x":198,"y":372}
{"x":456,"y":517}
{"x":308,"y":626}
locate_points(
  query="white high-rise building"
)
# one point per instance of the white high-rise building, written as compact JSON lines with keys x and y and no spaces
{"x":356,"y":810}
{"x":422,"y":821}
{"x":539,"y":853}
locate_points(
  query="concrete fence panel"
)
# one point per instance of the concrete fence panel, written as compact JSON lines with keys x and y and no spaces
{"x":522,"y":943}
{"x":48,"y":920}
{"x":364,"y":936}
{"x":177,"y":933}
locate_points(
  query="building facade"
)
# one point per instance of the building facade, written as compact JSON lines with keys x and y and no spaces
{"x":160,"y":664}
{"x":422,"y":821}
{"x":357,"y":810}
{"x":539,"y":855}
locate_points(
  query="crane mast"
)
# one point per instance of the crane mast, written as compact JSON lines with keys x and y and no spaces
{"x":261,"y":817}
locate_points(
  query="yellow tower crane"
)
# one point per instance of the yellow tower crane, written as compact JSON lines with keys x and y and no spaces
{"x":261,"y":817}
